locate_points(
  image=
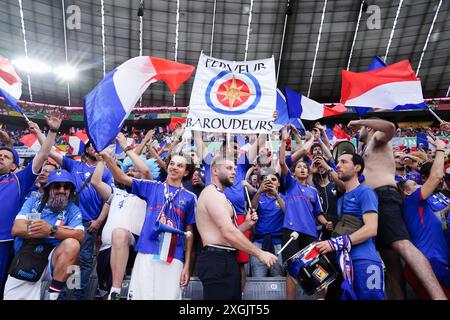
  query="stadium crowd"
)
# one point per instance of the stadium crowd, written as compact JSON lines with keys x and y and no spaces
{"x":160,"y":212}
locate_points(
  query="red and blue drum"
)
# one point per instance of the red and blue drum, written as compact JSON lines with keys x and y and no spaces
{"x":311,"y":270}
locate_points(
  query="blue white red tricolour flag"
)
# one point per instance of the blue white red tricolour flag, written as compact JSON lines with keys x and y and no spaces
{"x":302,"y":107}
{"x":377,"y":63}
{"x":10,"y":84}
{"x":108,"y":105}
{"x":392,"y":87}
{"x":233,"y":96}
{"x":31,"y":141}
{"x":77,"y":142}
{"x":283,"y":115}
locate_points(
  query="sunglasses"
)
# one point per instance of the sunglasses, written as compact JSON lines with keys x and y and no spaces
{"x":58,"y":185}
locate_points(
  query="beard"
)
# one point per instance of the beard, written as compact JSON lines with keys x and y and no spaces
{"x":57,"y":202}
{"x":225,"y":181}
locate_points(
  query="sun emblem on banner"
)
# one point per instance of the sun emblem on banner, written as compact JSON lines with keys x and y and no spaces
{"x":233,"y":94}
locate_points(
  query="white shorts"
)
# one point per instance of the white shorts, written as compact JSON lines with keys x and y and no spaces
{"x":16,"y":289}
{"x":154,"y":279}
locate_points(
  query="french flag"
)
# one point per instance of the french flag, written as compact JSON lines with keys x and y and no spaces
{"x":108,"y":105}
{"x":283,"y":115}
{"x":78,"y":142}
{"x":394,"y":87}
{"x":10,"y":84}
{"x":31,"y":141}
{"x":302,"y":107}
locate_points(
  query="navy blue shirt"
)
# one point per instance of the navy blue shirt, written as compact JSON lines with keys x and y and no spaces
{"x":184,"y":205}
{"x":302,"y":206}
{"x":12,"y":197}
{"x":357,"y":202}
{"x":89,"y":200}
{"x":424,"y":227}
{"x":270,"y":218}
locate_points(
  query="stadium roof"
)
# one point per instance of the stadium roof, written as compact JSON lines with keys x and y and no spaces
{"x":418,"y":30}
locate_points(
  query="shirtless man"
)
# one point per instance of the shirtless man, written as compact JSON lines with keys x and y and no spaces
{"x":393,"y":238}
{"x":216,"y":222}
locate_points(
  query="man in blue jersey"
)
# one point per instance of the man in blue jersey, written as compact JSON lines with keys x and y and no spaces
{"x":162,"y":264}
{"x":14,"y":187}
{"x":359,"y":201}
{"x":424,"y":227}
{"x":91,"y":206}
{"x":59,"y":229}
{"x":303,"y":209}
{"x":268,"y":231}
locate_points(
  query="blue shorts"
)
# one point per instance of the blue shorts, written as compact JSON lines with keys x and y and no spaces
{"x":368,"y":280}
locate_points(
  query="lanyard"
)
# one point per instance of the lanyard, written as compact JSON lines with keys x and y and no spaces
{"x":168,"y":201}
{"x":232,"y":207}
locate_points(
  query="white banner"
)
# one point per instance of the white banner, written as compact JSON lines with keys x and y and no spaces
{"x":230,"y":96}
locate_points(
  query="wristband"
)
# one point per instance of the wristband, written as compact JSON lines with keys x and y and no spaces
{"x":440,"y":150}
{"x":128,"y":148}
{"x":53,"y":130}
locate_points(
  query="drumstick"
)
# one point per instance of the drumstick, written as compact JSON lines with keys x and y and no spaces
{"x":294,"y":236}
{"x":248,"y":198}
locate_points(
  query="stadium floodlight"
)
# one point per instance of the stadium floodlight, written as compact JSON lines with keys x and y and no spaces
{"x":66,"y":72}
{"x":29,"y":65}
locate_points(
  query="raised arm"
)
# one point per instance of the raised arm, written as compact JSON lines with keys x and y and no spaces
{"x":148,"y":137}
{"x":436,"y":171}
{"x":102,"y":188}
{"x":140,"y":165}
{"x":117,"y":174}
{"x":282,"y":160}
{"x":34,"y":128}
{"x":200,"y":147}
{"x":256,"y":146}
{"x":385,"y":130}
{"x":304,"y":149}
{"x":155,"y":155}
{"x":46,"y":147}
{"x":297,"y":136}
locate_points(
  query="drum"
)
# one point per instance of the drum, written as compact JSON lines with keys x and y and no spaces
{"x":310,"y":269}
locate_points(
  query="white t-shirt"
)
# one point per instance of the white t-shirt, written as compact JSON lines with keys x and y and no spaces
{"x":126,"y":211}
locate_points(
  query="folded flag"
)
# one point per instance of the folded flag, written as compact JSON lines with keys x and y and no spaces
{"x":10,"y":84}
{"x":302,"y":107}
{"x":392,"y":87}
{"x":31,"y":141}
{"x":108,"y":105}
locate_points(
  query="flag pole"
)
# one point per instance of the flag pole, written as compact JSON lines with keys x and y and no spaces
{"x":434,"y":114}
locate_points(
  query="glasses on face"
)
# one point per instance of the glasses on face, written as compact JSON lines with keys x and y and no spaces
{"x":58,"y":185}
